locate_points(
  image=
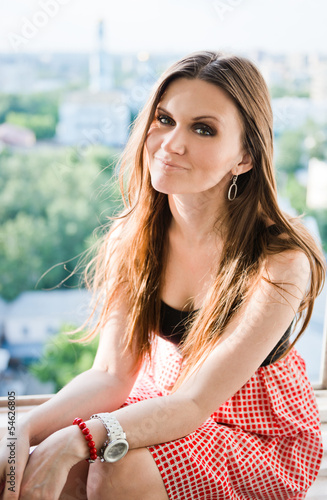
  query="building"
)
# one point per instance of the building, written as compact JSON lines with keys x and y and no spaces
{"x":99,"y":114}
{"x":101,"y":64}
{"x":291,"y":113}
{"x":35,"y":316}
{"x":317,"y":184}
{"x":3,"y":312}
{"x":318,"y":71}
{"x":13,"y":135}
{"x":28,"y":323}
{"x":87,"y":118}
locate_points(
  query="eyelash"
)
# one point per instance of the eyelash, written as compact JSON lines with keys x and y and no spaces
{"x":196,"y":126}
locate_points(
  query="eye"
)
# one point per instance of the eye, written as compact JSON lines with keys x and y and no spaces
{"x":203,"y":129}
{"x":164,"y":120}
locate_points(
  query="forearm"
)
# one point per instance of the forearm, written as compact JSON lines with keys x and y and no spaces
{"x":90,"y":392}
{"x":153,"y":421}
{"x":159,"y":420}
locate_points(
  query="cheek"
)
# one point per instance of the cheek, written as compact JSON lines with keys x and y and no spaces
{"x":221,"y":154}
{"x":153,"y":141}
{"x":208,"y":156}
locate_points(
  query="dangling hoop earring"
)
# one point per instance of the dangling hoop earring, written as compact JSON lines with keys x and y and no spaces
{"x":232,"y":192}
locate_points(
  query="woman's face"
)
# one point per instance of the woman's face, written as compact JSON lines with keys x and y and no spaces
{"x":195,"y":142}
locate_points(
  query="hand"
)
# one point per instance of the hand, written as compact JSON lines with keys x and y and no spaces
{"x":12,"y":463}
{"x":48,"y":466}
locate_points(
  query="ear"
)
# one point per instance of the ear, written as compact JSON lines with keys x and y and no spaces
{"x":244,"y":165}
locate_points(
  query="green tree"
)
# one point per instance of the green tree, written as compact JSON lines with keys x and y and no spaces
{"x":63,"y":360}
{"x":43,"y":126}
{"x":294,"y":150}
{"x":290,"y":151}
{"x":52,"y":201}
{"x":321,"y":217}
{"x":296,"y":193}
{"x":38,"y":103}
{"x":316,"y":139}
{"x":301,"y":90}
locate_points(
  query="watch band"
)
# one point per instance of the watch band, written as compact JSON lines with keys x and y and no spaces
{"x":113,"y":427}
{"x":114,"y":431}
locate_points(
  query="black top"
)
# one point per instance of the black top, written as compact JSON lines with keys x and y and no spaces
{"x":173,"y":325}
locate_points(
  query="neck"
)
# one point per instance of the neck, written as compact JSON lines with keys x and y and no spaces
{"x":194,"y":216}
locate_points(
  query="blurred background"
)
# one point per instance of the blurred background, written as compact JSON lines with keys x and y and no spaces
{"x":73,"y":76}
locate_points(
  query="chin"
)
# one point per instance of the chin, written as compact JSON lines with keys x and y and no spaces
{"x":162,"y":185}
{"x":163,"y":189}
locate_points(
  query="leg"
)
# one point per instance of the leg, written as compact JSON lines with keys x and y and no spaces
{"x":134,"y":477}
{"x":75,"y":487}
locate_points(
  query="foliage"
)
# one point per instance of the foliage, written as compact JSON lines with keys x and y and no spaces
{"x":321,"y":218}
{"x":296,"y":193}
{"x":39,"y":112}
{"x":42,"y":104}
{"x":52,"y":200}
{"x":294,"y":150}
{"x":301,"y":90}
{"x":290,"y":149}
{"x":316,"y":139}
{"x":43,"y":126}
{"x":63,"y":360}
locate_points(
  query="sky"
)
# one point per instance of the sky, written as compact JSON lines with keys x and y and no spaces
{"x":277,"y":26}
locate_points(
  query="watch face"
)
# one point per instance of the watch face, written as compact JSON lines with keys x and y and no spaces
{"x":115,"y":450}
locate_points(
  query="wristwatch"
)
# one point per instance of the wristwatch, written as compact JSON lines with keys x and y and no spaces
{"x":116,"y":445}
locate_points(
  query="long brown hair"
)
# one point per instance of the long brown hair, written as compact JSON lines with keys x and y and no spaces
{"x":133,"y":253}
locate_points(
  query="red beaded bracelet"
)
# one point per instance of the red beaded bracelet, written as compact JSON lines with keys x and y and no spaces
{"x":91,"y":444}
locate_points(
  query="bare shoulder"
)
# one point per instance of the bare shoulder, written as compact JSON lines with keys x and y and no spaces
{"x":289,"y":267}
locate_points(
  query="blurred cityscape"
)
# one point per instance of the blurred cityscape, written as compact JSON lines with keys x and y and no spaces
{"x":64,"y":119}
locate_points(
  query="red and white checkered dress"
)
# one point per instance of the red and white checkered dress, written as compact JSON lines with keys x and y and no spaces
{"x":263,"y":443}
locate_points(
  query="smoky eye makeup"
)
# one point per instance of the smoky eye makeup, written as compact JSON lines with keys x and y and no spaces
{"x":201,"y":128}
{"x":164,"y":119}
{"x":204,"y":129}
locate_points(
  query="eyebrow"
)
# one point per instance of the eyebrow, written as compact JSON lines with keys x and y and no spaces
{"x":219,"y":120}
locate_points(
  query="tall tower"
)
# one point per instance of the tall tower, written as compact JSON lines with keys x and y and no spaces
{"x":101,"y":77}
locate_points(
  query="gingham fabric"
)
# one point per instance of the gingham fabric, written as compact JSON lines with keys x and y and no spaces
{"x":263,"y":443}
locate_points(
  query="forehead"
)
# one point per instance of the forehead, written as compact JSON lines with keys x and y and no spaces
{"x":194,"y":97}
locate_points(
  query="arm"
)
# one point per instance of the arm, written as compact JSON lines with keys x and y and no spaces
{"x":252,"y":334}
{"x":104,"y":387}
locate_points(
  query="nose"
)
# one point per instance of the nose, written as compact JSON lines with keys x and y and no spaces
{"x":174,"y":141}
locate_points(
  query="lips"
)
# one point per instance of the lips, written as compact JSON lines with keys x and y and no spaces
{"x":169,"y":163}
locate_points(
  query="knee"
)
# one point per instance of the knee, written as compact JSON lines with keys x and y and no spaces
{"x":97,"y":483}
{"x":135,"y":476}
{"x":105,"y":481}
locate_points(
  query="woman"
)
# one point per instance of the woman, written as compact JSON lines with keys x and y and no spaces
{"x":198,"y":284}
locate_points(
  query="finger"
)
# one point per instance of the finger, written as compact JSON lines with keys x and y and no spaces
{"x":10,"y":491}
{"x":49,"y":486}
{"x":14,"y":473}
